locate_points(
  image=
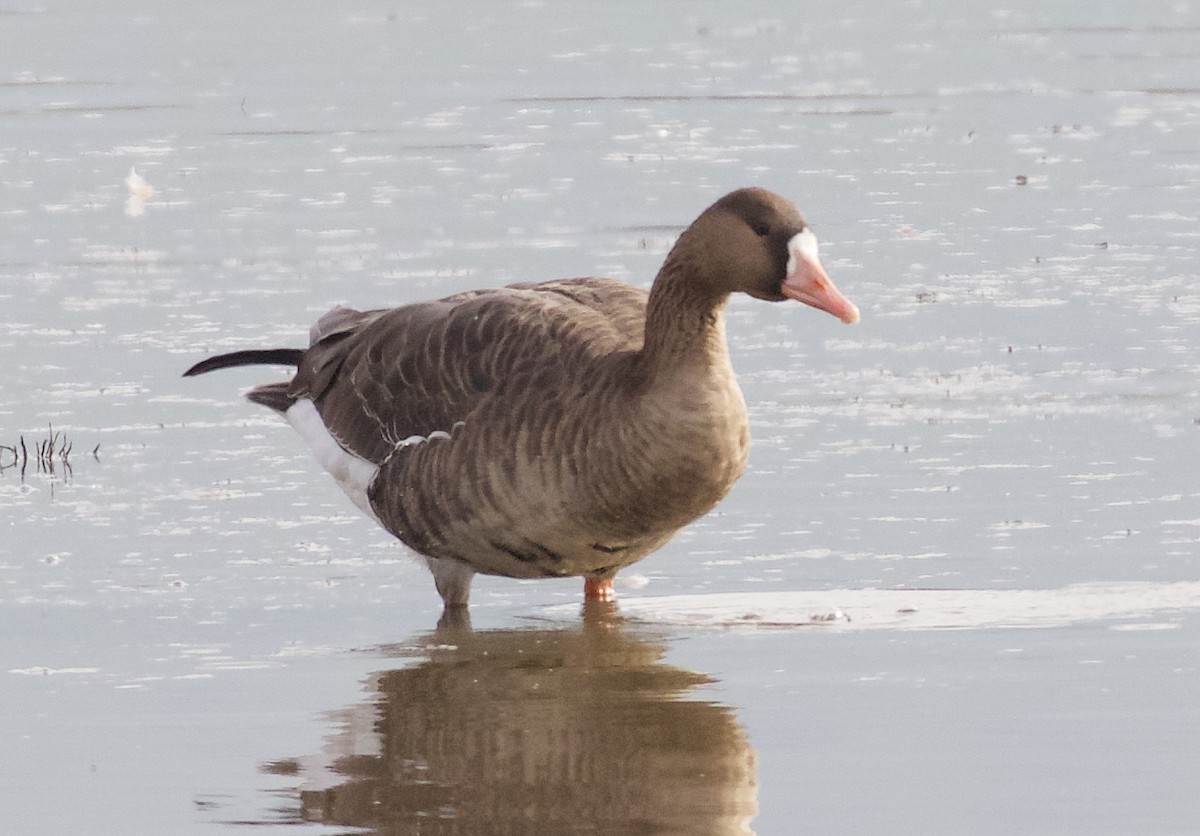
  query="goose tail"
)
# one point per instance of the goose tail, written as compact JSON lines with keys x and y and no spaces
{"x":253,"y":357}
{"x":273,"y":395}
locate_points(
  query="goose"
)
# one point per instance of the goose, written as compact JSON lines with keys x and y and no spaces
{"x":554,"y":429}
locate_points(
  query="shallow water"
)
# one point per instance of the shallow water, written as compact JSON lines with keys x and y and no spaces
{"x":203,"y":636}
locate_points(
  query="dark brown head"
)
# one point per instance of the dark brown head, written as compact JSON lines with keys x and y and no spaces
{"x":754,"y":241}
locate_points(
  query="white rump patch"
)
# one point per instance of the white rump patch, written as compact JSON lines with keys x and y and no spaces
{"x":354,"y":474}
{"x":802,"y":244}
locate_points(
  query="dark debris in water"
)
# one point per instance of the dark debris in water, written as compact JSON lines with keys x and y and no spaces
{"x":49,"y":455}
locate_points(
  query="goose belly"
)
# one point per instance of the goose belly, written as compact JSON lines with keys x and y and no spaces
{"x":511,"y":555}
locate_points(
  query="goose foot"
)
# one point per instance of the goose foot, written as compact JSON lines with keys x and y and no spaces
{"x":452,"y":579}
{"x":598,"y":589}
{"x":455,"y":618}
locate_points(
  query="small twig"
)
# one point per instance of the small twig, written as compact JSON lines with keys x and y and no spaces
{"x":46,"y":455}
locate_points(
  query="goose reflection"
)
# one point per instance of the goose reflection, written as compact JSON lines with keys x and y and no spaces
{"x":578,"y":729}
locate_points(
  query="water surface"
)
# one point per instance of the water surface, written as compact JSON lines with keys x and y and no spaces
{"x":1009,"y":192}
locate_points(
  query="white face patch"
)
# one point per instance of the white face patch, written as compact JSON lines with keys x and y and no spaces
{"x":802,"y":245}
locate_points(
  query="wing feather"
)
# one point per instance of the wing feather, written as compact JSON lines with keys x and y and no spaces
{"x":380,"y":377}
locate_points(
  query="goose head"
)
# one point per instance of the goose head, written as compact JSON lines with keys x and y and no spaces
{"x":756,"y":242}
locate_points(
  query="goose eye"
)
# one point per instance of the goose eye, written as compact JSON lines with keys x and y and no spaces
{"x":760,"y":229}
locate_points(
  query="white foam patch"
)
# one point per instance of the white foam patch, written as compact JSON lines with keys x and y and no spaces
{"x":353,"y":474}
{"x":803,"y":245}
{"x":40,"y":671}
{"x":921,"y":609}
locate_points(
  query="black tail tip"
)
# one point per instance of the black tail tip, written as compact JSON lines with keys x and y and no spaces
{"x":200,"y":368}
{"x":253,"y":357}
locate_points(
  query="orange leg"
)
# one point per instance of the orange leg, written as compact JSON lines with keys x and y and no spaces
{"x":598,"y":589}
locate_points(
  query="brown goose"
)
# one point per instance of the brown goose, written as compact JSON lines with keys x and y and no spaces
{"x":544,"y":430}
